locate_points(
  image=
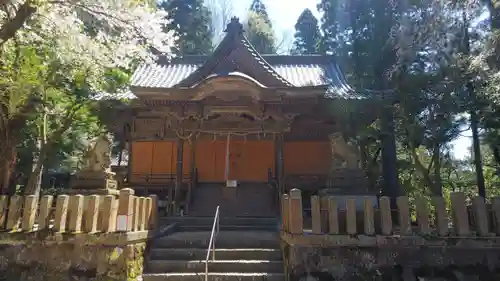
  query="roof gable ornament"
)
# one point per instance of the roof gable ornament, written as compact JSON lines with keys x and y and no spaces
{"x":234,"y":26}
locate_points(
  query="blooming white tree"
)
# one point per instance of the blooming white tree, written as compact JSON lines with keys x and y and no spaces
{"x":55,"y":54}
{"x":96,"y":33}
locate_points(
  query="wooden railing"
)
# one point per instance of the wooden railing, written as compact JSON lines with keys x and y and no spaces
{"x":79,"y":214}
{"x":431,"y":218}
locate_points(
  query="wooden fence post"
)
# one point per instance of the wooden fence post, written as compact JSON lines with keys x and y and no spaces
{"x":125,"y":210}
{"x":45,"y":211}
{"x":148,"y":209}
{"x":76,"y":213}
{"x":285,"y":216}
{"x":92,"y":214}
{"x":153,"y":218}
{"x":480,"y":216}
{"x":404,"y":215}
{"x":441,"y":216}
{"x":496,"y":213}
{"x":385,"y":215}
{"x":316,"y":214}
{"x":109,"y":210}
{"x":14,"y":214}
{"x":350,"y":216}
{"x":459,"y":214}
{"x":62,"y":204}
{"x":142,"y":213}
{"x":422,"y":215}
{"x":29,"y":212}
{"x":4,"y":203}
{"x":295,"y":211}
{"x":369,"y":218}
{"x":333,"y":216}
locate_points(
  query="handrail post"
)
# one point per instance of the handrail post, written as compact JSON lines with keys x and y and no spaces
{"x":211,"y":243}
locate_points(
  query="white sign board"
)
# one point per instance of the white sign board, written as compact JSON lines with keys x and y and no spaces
{"x":231,"y":183}
{"x":121,"y":223}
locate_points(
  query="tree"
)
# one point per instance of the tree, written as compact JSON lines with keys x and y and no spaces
{"x":193,"y":23}
{"x":56,"y":56}
{"x":259,"y":8}
{"x":221,"y":11}
{"x":307,"y":34}
{"x":260,"y":34}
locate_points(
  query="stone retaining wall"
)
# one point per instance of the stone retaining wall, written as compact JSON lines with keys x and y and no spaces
{"x":55,"y":257}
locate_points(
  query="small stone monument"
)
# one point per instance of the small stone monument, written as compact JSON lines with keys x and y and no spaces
{"x":96,"y":177}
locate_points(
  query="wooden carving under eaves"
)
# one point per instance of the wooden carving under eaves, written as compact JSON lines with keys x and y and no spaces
{"x":148,"y":128}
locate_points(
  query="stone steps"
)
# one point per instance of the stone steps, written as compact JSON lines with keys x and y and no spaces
{"x":193,"y":266}
{"x":220,"y":254}
{"x":225,"y":240}
{"x":246,"y":200}
{"x":225,"y":227}
{"x":209,"y":220}
{"x":245,"y":250}
{"x":214,"y":276}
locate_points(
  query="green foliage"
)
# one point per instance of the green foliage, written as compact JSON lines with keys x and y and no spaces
{"x":420,"y":56}
{"x":307,"y":34}
{"x":260,"y":34}
{"x":258,"y":7}
{"x":191,"y":20}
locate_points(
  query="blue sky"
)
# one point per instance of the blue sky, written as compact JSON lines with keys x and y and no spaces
{"x":284,"y":14}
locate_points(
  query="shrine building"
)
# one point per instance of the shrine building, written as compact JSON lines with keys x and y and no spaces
{"x":237,"y":129}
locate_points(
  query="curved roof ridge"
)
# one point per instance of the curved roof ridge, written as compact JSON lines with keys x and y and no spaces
{"x":209,"y":64}
{"x":267,"y":65}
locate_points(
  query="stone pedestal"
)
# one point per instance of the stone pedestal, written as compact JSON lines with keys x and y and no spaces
{"x":92,"y":182}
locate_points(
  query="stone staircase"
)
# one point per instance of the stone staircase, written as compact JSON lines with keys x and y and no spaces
{"x":246,"y":200}
{"x":246,"y":249}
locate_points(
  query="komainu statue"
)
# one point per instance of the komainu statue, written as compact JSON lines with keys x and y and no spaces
{"x":96,"y":177}
{"x":98,"y":156}
{"x":348,"y":154}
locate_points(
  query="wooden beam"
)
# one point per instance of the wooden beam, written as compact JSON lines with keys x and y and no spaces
{"x":179,"y":173}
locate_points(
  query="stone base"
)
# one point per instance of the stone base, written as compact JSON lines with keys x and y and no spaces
{"x":91,"y":182}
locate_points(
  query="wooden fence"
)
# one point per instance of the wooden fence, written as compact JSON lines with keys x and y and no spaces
{"x":78,"y":213}
{"x":432,"y":218}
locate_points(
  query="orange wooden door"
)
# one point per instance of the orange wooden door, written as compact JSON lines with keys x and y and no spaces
{"x":210,"y":160}
{"x":251,"y":160}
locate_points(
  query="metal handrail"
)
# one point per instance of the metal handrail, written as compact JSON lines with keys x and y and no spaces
{"x":211,"y":244}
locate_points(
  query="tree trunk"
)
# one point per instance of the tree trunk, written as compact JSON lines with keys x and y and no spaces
{"x":8,"y":159}
{"x":474,"y":121}
{"x":11,"y":26}
{"x":437,"y":187}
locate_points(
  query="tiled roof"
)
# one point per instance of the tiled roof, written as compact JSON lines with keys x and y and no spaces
{"x":236,"y":54}
{"x":299,"y":71}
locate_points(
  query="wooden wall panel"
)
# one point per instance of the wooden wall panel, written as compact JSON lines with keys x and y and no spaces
{"x":159,"y":158}
{"x":142,"y":159}
{"x":307,"y":157}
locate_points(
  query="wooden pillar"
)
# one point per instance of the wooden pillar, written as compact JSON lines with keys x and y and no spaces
{"x":280,"y":163}
{"x":179,"y":172}
{"x":193,"y":174}
{"x":128,"y":140}
{"x":278,"y":168}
